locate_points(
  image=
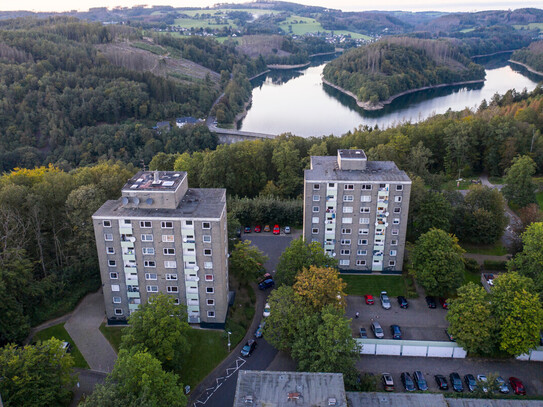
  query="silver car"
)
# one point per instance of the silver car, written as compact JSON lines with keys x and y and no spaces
{"x":377,"y":330}
{"x":385,"y":301}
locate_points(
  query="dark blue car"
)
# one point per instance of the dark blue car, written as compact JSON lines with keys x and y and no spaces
{"x":396,"y":332}
{"x":268,"y":283}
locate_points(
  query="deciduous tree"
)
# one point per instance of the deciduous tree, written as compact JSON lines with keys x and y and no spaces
{"x":529,"y":262}
{"x":246,"y":261}
{"x":318,"y":287}
{"x":519,"y":187}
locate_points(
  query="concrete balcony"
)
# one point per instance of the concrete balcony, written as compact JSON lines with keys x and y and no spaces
{"x":125,"y":230}
{"x":133,"y":294}
{"x":127,"y":244}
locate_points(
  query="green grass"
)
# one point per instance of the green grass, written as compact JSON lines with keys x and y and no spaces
{"x":222,"y":12}
{"x":310,"y":25}
{"x":208,"y":349}
{"x":472,"y":277}
{"x":530,"y":26}
{"x":496,"y":180}
{"x":207,"y":23}
{"x":60,"y":333}
{"x":369,"y":284}
{"x":112,"y":334}
{"x":496,"y":249}
{"x":464,"y":184}
{"x":467,"y":30}
{"x":539,"y":197}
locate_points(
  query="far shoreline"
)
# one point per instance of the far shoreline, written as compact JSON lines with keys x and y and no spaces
{"x":532,"y":70}
{"x":381,"y":104}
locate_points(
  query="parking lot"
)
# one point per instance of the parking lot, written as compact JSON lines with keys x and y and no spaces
{"x":418,"y":322}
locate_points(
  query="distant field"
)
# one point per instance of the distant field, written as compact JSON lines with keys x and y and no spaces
{"x":207,"y":23}
{"x":467,"y":30}
{"x":223,"y":11}
{"x":530,"y":26}
{"x":310,"y":25}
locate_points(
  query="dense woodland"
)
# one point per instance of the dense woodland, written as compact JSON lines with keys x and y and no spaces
{"x":380,"y":70}
{"x":531,"y":56}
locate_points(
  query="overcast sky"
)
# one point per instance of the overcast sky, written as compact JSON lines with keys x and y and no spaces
{"x":347,"y":5}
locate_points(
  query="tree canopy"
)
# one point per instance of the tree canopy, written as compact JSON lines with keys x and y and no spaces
{"x":519,"y":187}
{"x":318,"y":287}
{"x":529,"y":262}
{"x":246,"y":261}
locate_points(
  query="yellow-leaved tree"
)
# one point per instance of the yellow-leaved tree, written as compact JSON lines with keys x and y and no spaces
{"x":320,"y":286}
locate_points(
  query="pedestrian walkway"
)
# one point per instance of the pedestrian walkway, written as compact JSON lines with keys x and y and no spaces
{"x":83,"y":326}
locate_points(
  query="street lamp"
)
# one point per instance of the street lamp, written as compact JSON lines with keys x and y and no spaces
{"x":229,"y":333}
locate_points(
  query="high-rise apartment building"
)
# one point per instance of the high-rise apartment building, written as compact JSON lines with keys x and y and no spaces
{"x":357,"y":209}
{"x":162,"y":236}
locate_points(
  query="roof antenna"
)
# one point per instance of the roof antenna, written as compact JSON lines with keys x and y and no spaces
{"x":156,"y":179}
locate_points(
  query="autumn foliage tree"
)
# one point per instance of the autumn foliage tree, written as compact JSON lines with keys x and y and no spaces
{"x":318,"y":287}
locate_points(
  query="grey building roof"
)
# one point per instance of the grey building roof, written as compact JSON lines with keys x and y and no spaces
{"x":396,"y":400}
{"x":207,"y":203}
{"x":326,"y":168}
{"x":188,"y":120}
{"x":144,"y":181}
{"x":357,"y":154}
{"x":492,"y":403}
{"x":279,"y":389}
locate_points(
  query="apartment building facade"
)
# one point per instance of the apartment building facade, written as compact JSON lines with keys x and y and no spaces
{"x":162,"y":236}
{"x":357,"y":209}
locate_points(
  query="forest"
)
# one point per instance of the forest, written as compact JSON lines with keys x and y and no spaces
{"x":531,"y":56}
{"x":377,"y":71}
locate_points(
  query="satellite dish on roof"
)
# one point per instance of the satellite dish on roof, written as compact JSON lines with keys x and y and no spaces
{"x":124,"y":200}
{"x":136,"y":201}
{"x":149,"y":201}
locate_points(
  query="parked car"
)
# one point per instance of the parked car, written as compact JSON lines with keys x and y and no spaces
{"x":276,"y":230}
{"x":489,"y":279}
{"x":268,"y":283}
{"x":483,"y":382}
{"x":265,"y":277}
{"x":396,"y":332}
{"x":249,"y":348}
{"x":388,"y":382}
{"x":444,"y":303}
{"x":449,"y":335}
{"x":502,"y":386}
{"x":258,"y":229}
{"x":267,"y":228}
{"x":385,"y":301}
{"x":441,"y":382}
{"x":260,"y":329}
{"x":287,"y":230}
{"x":517,"y":386}
{"x":67,"y":346}
{"x":431,"y":302}
{"x":267,"y":310}
{"x":247,"y":229}
{"x":407,"y":381}
{"x":363,"y":333}
{"x":369,"y":299}
{"x":470,"y":382}
{"x":420,"y":381}
{"x":456,"y":382}
{"x":377,"y":330}
{"x":403,"y":302}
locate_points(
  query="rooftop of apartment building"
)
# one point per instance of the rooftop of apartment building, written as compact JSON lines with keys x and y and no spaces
{"x":155,"y":181}
{"x":330,"y":168}
{"x":265,"y":388}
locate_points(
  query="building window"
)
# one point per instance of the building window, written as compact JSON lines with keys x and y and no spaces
{"x":315,"y":219}
{"x":399,"y":187}
{"x":150,"y":276}
{"x":208,"y":265}
{"x":361,"y":262}
{"x":207,"y":252}
{"x":172,"y":277}
{"x":345,"y":242}
{"x":392,"y":263}
{"x":188,"y":223}
{"x":365,"y":198}
{"x":346,"y":231}
{"x":363,"y":231}
{"x":348,"y":198}
{"x":170,"y":264}
{"x":331,"y":185}
{"x":361,"y":252}
{"x":362,"y":242}
{"x":149,"y":263}
{"x":113,"y":276}
{"x":145,"y":224}
{"x":210,"y":290}
{"x":397,"y":210}
{"x":176,"y":301}
{"x":112,"y":263}
{"x":110,"y":250}
{"x":148,"y":250}
{"x":398,"y":198}
{"x":347,"y":209}
{"x":315,"y":209}
{"x":315,"y":231}
{"x":115,"y":287}
{"x":210,"y":302}
{"x":316,"y":198}
{"x":166,"y":224}
{"x":365,"y":209}
{"x":209,"y":277}
{"x":366,"y":187}
{"x":116,"y":300}
{"x":107,"y":223}
{"x":396,"y":221}
{"x":316,"y":187}
{"x":146,"y":238}
{"x":348,"y":187}
{"x":168,"y":238}
{"x":206,"y":225}
{"x":395,"y":232}
{"x":211,"y":314}
{"x":206,"y":238}
{"x":172,"y":289}
{"x":364,"y":221}
{"x":382,"y":185}
{"x":118,"y":311}
{"x":347,"y":220}
{"x":108,"y":237}
{"x":393,"y":252}
{"x":345,"y":252}
{"x":394,"y":243}
{"x":168,"y":251}
{"x":344,"y":262}
{"x":152,"y":288}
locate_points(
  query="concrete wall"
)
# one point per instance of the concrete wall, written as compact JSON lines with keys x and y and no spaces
{"x":434,"y":349}
{"x":535,"y":355}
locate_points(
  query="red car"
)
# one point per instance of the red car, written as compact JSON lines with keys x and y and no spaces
{"x":369,"y":299}
{"x":444,"y":303}
{"x":276,"y":230}
{"x":517,"y":386}
{"x":258,"y":229}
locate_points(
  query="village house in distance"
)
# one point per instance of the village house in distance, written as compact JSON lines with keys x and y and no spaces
{"x":357,"y":209}
{"x":162,"y":236}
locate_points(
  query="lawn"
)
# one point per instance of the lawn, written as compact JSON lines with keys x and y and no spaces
{"x":59,"y":332}
{"x":539,"y":197}
{"x":306,"y":25}
{"x":472,"y":277}
{"x":208,"y":23}
{"x":464,"y":184}
{"x":530,"y":26}
{"x":495,"y":249}
{"x":369,"y":284}
{"x":496,"y":180}
{"x":113,"y":335}
{"x":208,"y":349}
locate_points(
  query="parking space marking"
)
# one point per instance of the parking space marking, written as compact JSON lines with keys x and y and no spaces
{"x":239,"y":362}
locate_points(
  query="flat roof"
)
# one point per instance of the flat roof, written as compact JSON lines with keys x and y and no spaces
{"x":492,"y":403}
{"x":352,"y":154}
{"x":326,"y":168}
{"x":280,"y":389}
{"x":206,"y":203}
{"x":145,"y":181}
{"x":375,"y":399}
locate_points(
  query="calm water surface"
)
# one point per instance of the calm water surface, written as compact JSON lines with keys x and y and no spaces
{"x":297,"y":102}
